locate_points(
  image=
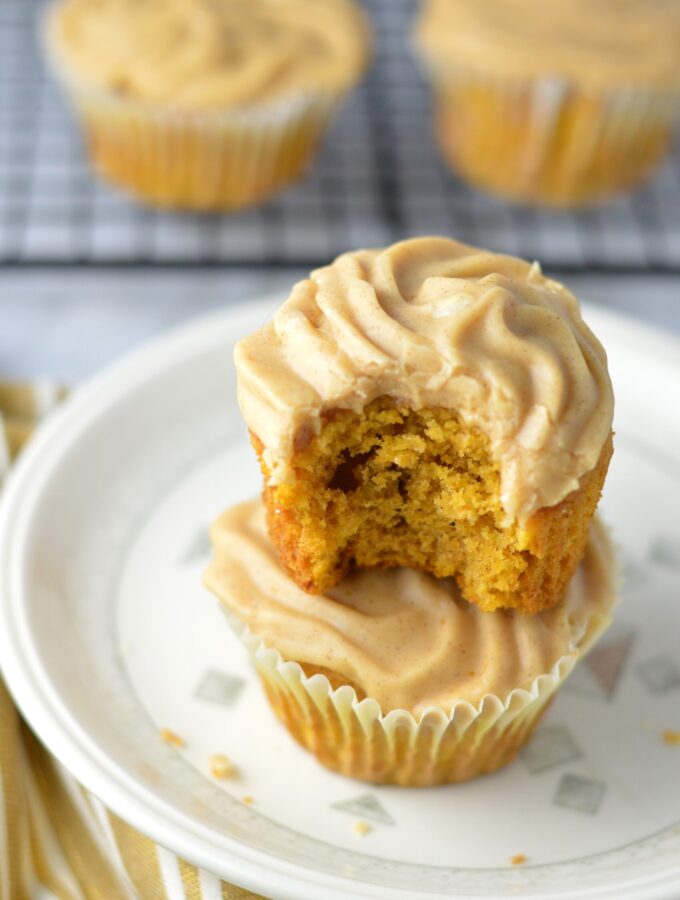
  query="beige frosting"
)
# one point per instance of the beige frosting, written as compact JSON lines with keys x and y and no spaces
{"x":210,"y":53}
{"x":435,"y":323}
{"x":407,"y":639}
{"x":603,"y":43}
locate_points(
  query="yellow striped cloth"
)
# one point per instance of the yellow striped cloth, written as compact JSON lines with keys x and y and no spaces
{"x":54,"y":834}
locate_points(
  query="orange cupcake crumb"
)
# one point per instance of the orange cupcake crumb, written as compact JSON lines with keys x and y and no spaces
{"x":170,"y":737}
{"x":221,"y":766}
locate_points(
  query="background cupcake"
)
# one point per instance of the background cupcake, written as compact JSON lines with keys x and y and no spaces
{"x":205,"y":105}
{"x":555,"y":103}
{"x":392,"y":677}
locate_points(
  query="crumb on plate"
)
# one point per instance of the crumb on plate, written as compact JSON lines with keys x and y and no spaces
{"x":361,"y":828}
{"x":170,"y":737}
{"x":671,"y":737}
{"x":248,"y":800}
{"x":221,"y":766}
{"x":518,"y":859}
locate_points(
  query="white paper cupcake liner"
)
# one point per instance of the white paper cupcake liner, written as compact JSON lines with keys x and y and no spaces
{"x":356,"y":738}
{"x":549,"y":140}
{"x":213,"y":159}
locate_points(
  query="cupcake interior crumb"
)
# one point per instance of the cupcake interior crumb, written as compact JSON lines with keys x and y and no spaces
{"x":394,"y":486}
{"x":170,"y":737}
{"x":221,"y":766}
{"x":361,"y":828}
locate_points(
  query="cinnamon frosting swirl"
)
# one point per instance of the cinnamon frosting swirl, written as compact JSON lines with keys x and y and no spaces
{"x":407,"y":639}
{"x":434,"y":323}
{"x":206,"y":54}
{"x":606,"y":44}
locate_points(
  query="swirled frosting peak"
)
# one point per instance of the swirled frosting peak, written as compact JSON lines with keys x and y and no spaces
{"x":206,"y":54}
{"x":602,"y":44}
{"x":405,"y":638}
{"x":434,"y":323}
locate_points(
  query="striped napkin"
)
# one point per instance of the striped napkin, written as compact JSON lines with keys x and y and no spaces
{"x":55,"y":835}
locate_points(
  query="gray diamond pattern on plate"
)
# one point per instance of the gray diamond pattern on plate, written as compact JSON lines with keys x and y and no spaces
{"x":634,"y":574}
{"x":666,"y":552}
{"x":219,"y":687}
{"x":580,"y":793}
{"x":367,"y":807}
{"x":660,"y":674}
{"x":599,"y":674}
{"x":197,"y":549}
{"x":551,"y":746}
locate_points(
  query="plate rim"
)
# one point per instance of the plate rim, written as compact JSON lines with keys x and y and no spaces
{"x":52,"y":721}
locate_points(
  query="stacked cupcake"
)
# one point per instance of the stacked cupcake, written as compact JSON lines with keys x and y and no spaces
{"x":434,"y":427}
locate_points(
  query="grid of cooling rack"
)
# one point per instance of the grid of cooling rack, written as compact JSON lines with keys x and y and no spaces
{"x":379,"y":178}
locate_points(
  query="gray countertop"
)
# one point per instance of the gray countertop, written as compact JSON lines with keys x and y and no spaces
{"x":67,"y":324}
{"x":379,"y":177}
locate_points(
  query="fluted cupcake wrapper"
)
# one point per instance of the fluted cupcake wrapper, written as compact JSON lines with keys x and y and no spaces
{"x":355,"y":738}
{"x":203,"y":160}
{"x":546,"y":140}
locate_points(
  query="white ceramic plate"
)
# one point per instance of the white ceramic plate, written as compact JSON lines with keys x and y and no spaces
{"x":107,"y":636}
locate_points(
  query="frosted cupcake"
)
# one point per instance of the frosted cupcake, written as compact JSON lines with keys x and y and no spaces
{"x":434,"y":406}
{"x":205,"y":105}
{"x":393,"y":678}
{"x":556,"y":103}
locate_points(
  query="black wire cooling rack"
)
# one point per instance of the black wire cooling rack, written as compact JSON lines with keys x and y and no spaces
{"x":378,"y":178}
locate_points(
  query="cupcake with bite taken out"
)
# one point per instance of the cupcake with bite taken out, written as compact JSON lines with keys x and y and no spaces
{"x":433,"y":406}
